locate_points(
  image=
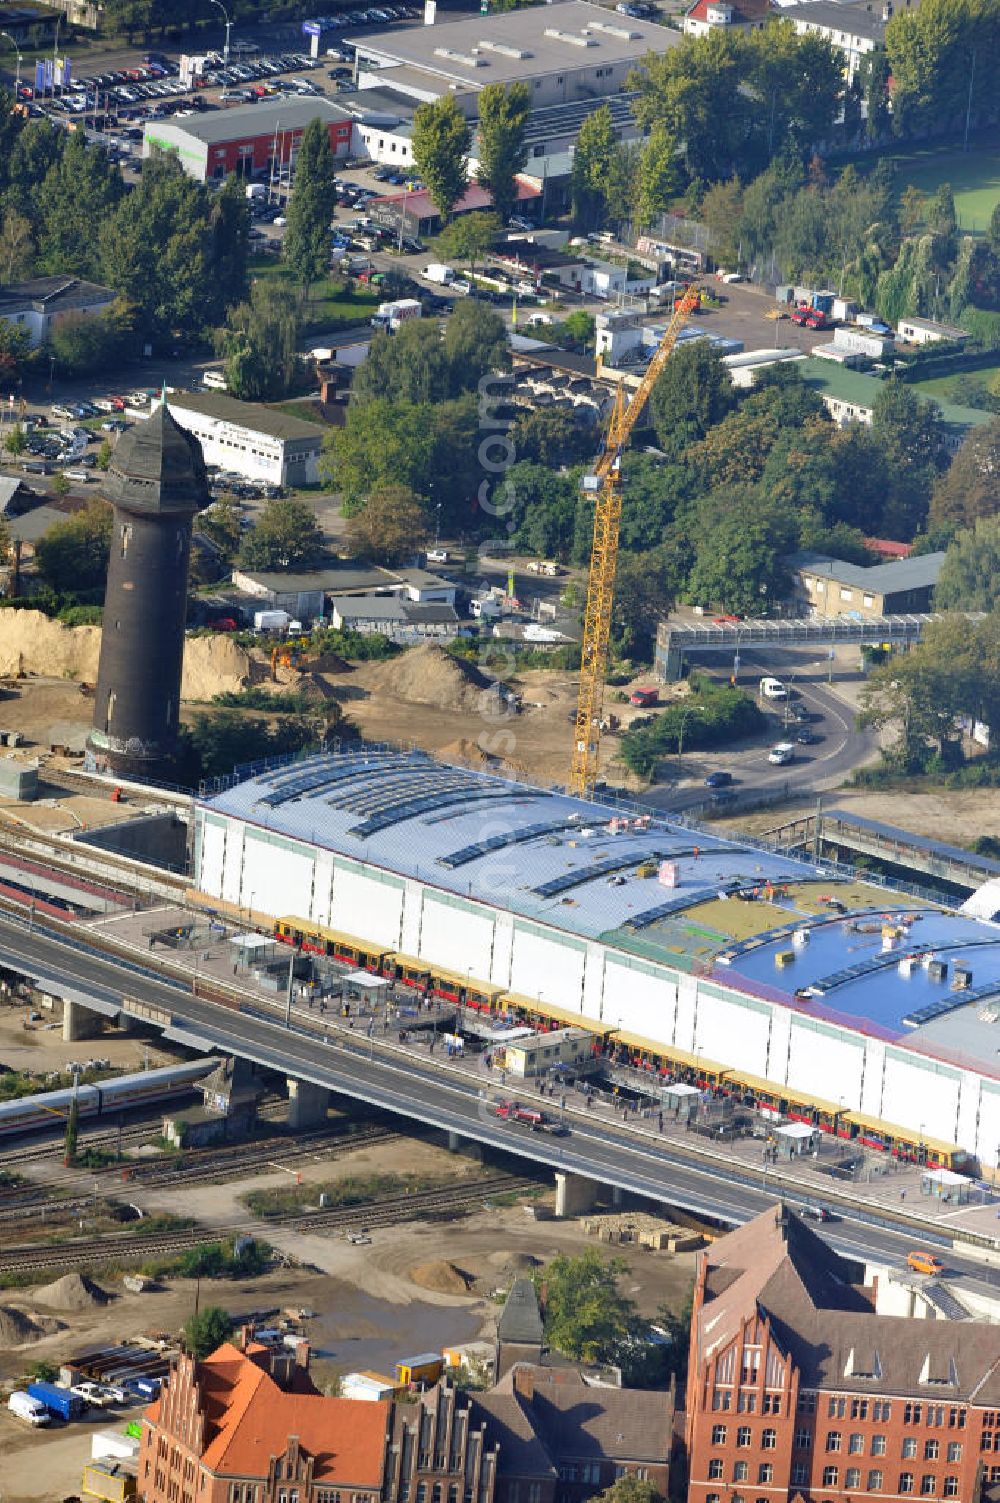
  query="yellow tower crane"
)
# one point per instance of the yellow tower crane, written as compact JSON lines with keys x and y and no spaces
{"x":605,"y":484}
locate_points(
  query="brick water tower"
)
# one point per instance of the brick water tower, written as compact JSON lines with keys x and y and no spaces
{"x":156,"y":483}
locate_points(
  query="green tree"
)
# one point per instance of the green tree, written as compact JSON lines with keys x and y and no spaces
{"x":287,"y":536}
{"x":629,"y":1489}
{"x":441,"y":144}
{"x":206,"y":1331}
{"x":657,"y":175}
{"x":82,"y":343}
{"x":692,"y":394}
{"x":970,"y":574}
{"x":383,"y":442}
{"x":104,"y":454}
{"x":577,"y":330}
{"x":17,"y":247}
{"x":15,"y":349}
{"x":72,"y":557}
{"x":475,"y":343}
{"x":586,"y":1316}
{"x":542,"y":506}
{"x":970,"y":488}
{"x":646,"y":589}
{"x":260,"y":341}
{"x":503,"y":124}
{"x":14,"y":443}
{"x":928,"y":53}
{"x":551,"y":436}
{"x":468,"y":238}
{"x":722,"y":213}
{"x":740,"y":551}
{"x":306,"y":246}
{"x":593,"y":158}
{"x":908,"y":429}
{"x":390,"y":527}
{"x":408,"y":366}
{"x":80,"y":191}
{"x":917,"y":696}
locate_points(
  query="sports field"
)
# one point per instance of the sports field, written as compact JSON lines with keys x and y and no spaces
{"x":974,"y":176}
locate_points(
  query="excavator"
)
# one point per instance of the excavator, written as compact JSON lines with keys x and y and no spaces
{"x":605,"y":484}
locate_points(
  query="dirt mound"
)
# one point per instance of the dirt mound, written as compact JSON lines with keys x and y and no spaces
{"x":16,"y":1328}
{"x":32,"y":643}
{"x":514,"y":1262}
{"x":441,"y":1277}
{"x":430,"y":676}
{"x":214,"y":665}
{"x":71,"y":1292}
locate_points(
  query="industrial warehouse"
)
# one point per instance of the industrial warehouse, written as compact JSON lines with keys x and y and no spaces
{"x":829,"y":999}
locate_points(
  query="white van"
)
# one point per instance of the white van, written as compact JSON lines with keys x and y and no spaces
{"x":24,"y":1407}
{"x":782,"y":754}
{"x":214,"y":381}
{"x":772,"y":688}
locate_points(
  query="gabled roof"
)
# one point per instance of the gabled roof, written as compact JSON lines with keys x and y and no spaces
{"x":579,"y":1421}
{"x":777,"y":1267}
{"x":52,"y":294}
{"x":520,"y":1320}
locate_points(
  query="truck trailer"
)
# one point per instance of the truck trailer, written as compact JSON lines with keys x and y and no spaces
{"x":58,"y":1401}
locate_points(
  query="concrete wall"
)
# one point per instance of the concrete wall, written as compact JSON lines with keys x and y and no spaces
{"x":160,"y":839}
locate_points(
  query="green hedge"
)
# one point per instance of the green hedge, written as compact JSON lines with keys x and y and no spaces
{"x":713,"y":715}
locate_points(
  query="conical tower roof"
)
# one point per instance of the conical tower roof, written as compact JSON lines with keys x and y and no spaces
{"x":157,"y":468}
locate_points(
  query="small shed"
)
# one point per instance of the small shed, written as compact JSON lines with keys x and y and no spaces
{"x":361,"y":986}
{"x":681,"y":1099}
{"x":946,"y":1185}
{"x":795,"y":1139}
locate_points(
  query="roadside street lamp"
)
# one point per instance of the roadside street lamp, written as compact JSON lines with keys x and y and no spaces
{"x":17,"y":76}
{"x":225,"y":50}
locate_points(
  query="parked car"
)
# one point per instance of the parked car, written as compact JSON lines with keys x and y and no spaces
{"x":719,"y":780}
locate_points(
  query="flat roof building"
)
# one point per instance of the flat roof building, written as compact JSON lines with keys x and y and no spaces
{"x":565,"y":51}
{"x":259,"y":443}
{"x":929,"y":331}
{"x":831,"y":587}
{"x":248,"y":139}
{"x":827,"y":997}
{"x":849,"y":397}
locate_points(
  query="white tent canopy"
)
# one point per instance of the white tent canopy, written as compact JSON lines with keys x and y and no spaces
{"x":364,"y":981}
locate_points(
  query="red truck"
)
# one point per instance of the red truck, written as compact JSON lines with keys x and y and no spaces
{"x":512,"y":1111}
{"x":644,"y":699}
{"x":811,"y":318}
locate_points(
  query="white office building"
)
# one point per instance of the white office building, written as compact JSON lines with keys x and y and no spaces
{"x":259,"y":443}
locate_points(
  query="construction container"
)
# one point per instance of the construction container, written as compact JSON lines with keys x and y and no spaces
{"x":108,"y":1480}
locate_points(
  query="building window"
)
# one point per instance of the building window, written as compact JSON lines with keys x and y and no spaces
{"x":831,"y":1476}
{"x":722,"y":1399}
{"x":905,"y":1482}
{"x":768,"y":1440}
{"x":928,"y":1485}
{"x":935,"y":1414}
{"x":837,"y":1407}
{"x":743,"y":1435}
{"x":800,"y":1474}
{"x":878,"y":1445}
{"x":807,"y":1403}
{"x":741,"y":1471}
{"x":956,"y":1419}
{"x":803,"y":1440}
{"x":846,"y":594}
{"x":874,"y":1480}
{"x":852,"y":1477}
{"x":715,"y":1469}
{"x":868,"y":599}
{"x":909,"y":1448}
{"x":881,"y":1409}
{"x":912,"y":1414}
{"x":859,"y":1409}
{"x":951,"y":1487}
{"x":772,"y":1403}
{"x":833,"y":1440}
{"x":856,"y":1444}
{"x":718,"y":1435}
{"x":932,"y":1450}
{"x":746,"y":1402}
{"x":765,"y":1472}
{"x":954,"y":1450}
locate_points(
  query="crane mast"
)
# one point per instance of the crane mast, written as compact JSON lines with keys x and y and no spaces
{"x":605,"y":483}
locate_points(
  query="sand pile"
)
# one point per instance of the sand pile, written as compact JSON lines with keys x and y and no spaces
{"x":214,"y":665}
{"x":430,"y":676}
{"x":441,"y":1277}
{"x":16,"y":1328}
{"x":32,"y":643}
{"x":72,"y":1292}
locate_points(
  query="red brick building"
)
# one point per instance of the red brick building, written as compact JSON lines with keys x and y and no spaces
{"x":247,"y":1426}
{"x":798,"y":1388}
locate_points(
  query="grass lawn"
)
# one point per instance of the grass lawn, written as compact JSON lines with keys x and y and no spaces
{"x":974,"y":174}
{"x":943,"y":388}
{"x":330,"y":304}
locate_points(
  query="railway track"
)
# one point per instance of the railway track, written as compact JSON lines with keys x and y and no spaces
{"x":118,"y":1250}
{"x":23,"y":1202}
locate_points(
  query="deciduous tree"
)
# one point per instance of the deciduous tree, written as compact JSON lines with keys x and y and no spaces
{"x":970,"y":574}
{"x":468,"y":238}
{"x":390,"y":527}
{"x":206,"y":1331}
{"x":503,"y":123}
{"x":692,"y":393}
{"x":441,"y":144}
{"x":306,"y":246}
{"x":970,"y":488}
{"x":287,"y":536}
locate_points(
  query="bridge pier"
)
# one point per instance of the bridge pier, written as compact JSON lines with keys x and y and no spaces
{"x":307,"y":1104}
{"x":79,"y":1022}
{"x":465,"y":1146}
{"x":574,"y":1194}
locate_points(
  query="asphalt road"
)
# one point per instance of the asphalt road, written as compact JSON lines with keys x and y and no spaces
{"x":633,"y":1159}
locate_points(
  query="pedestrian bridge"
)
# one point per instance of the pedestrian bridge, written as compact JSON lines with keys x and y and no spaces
{"x":679,"y":640}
